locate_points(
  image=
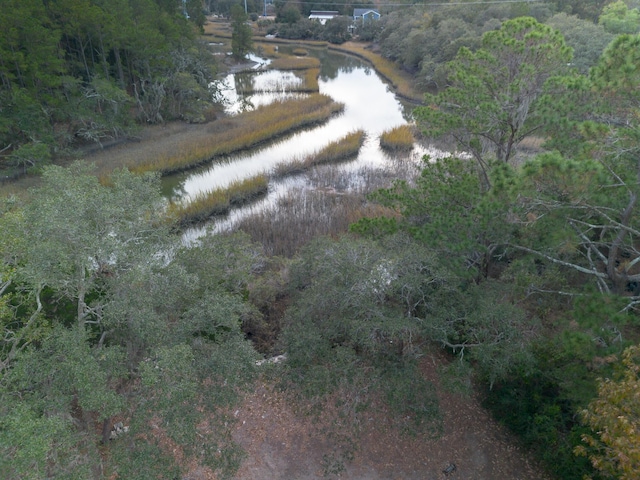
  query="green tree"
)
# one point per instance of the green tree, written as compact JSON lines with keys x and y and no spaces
{"x":288,"y":13}
{"x":448,"y":210}
{"x":241,"y":37}
{"x":337,"y":30}
{"x":79,"y":234}
{"x":586,"y":9}
{"x":490,"y":104}
{"x":617,"y":18}
{"x":587,"y":39}
{"x":590,"y":205}
{"x":123,"y":322}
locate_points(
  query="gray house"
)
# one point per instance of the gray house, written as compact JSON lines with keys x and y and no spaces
{"x":365,"y":15}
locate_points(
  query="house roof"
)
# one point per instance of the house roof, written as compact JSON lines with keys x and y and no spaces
{"x":361,"y":12}
{"x":324,"y":13}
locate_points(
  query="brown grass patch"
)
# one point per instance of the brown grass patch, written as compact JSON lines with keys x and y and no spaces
{"x":294,"y":63}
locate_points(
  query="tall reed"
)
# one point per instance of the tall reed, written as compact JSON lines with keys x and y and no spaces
{"x":246,"y":131}
{"x":302,"y":215}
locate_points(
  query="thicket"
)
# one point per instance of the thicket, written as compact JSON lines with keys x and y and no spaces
{"x":556,"y":234}
{"x":89,"y":71}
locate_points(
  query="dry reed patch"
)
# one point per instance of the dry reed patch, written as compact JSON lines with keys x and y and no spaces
{"x":398,"y":138}
{"x":302,"y":215}
{"x":244,"y":132}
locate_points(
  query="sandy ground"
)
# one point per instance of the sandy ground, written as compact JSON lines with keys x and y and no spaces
{"x":283,"y":444}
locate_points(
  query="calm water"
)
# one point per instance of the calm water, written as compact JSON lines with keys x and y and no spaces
{"x":369,"y":105}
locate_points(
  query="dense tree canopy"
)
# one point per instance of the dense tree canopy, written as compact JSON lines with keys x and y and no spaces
{"x":104,"y":315}
{"x":70,"y":71}
{"x":618,"y":18}
{"x":615,"y":415}
{"x":489,"y":105}
{"x":241,"y":41}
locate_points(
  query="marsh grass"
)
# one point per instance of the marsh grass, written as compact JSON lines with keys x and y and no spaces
{"x":333,"y":202}
{"x":218,"y":201}
{"x":310,"y":80}
{"x":398,"y":138}
{"x":300,"y":52}
{"x":336,"y":151}
{"x":294,"y":63}
{"x":244,"y":132}
{"x":268,"y":50}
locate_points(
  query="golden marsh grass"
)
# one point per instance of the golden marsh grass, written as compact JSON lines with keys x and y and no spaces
{"x":310,"y":80}
{"x":339,"y":150}
{"x":294,"y":63}
{"x":244,"y":132}
{"x":218,"y":201}
{"x":398,"y":138}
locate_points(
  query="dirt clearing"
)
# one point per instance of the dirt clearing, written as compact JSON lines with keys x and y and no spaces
{"x":283,"y":444}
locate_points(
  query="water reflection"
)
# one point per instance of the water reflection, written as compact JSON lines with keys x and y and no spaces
{"x":242,"y":92}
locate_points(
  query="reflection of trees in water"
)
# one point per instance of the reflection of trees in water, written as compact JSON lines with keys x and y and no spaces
{"x":244,"y":82}
{"x":332,"y":63}
{"x":246,"y":105}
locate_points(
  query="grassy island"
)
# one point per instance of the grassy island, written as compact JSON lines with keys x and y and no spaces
{"x":264,"y":123}
{"x":339,"y":150}
{"x":398,"y":138}
{"x":218,"y":201}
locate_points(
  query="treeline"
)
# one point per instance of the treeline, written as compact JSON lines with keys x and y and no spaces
{"x":74,"y":71}
{"x":422,"y":38}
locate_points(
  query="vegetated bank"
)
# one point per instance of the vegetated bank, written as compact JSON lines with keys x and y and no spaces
{"x":217,"y":202}
{"x":253,"y":128}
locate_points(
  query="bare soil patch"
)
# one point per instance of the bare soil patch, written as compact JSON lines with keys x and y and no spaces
{"x":284,"y":444}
